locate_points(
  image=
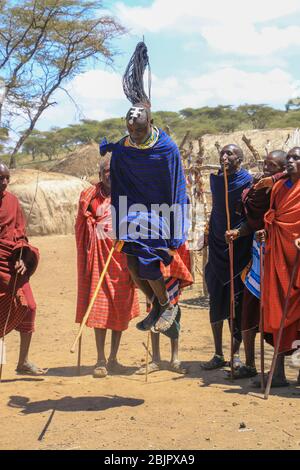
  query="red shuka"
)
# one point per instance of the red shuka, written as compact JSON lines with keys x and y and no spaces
{"x":283,"y":226}
{"x":117,"y":301}
{"x":12,"y":240}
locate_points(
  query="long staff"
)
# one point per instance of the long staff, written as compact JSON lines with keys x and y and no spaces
{"x":283,"y":318}
{"x":118,"y":247}
{"x":232,"y":306}
{"x":261,"y":312}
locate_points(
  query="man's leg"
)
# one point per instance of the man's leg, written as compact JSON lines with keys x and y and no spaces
{"x":26,"y":328}
{"x":279,"y":377}
{"x":24,"y":366}
{"x":159,"y":288}
{"x":100,"y":335}
{"x":175,"y":364}
{"x":155,"y":347}
{"x":218,"y":359}
{"x":115,"y":343}
{"x":142,"y":284}
{"x":155,"y":363}
{"x":100,"y":368}
{"x":279,"y":371}
{"x":249,"y":345}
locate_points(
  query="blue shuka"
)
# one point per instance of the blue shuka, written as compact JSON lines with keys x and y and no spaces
{"x":218,"y":248}
{"x":217,"y":272}
{"x":149,"y":178}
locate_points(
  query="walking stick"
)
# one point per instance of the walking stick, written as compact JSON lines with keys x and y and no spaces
{"x":79,"y":356}
{"x":232,"y":306}
{"x":283,"y":318}
{"x":147,"y":356}
{"x":118,"y":247}
{"x":261,"y":311}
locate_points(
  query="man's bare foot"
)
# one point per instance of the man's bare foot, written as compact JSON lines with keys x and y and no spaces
{"x":28,"y":368}
{"x":152,"y":367}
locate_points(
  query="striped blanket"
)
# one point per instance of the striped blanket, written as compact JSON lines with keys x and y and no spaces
{"x":117,"y":301}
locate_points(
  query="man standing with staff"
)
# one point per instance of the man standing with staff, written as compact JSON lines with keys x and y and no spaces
{"x":117,"y":301}
{"x":217,"y":271}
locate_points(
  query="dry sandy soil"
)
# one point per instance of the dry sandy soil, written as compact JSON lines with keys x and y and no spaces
{"x":199,"y":411}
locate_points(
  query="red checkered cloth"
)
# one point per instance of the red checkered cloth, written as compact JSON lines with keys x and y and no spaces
{"x":17,"y":306}
{"x":180,"y":267}
{"x":117,"y":301}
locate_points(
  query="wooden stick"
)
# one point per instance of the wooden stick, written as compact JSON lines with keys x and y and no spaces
{"x":147,"y":356}
{"x":252,"y":149}
{"x":184,"y":140}
{"x":86,"y":316}
{"x":261,"y":308}
{"x":79,"y":356}
{"x":283,"y":318}
{"x":232,"y":306}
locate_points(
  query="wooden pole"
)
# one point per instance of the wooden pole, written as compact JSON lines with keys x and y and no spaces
{"x":284,"y":315}
{"x":79,"y":356}
{"x":232,"y":306}
{"x":147,"y":356}
{"x":261,"y":308}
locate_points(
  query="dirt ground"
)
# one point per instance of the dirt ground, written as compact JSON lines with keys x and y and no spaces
{"x":63,"y":411}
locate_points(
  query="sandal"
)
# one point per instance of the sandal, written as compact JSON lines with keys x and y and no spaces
{"x":166,"y":319}
{"x":100,"y":370}
{"x":276,"y":383}
{"x":114,"y":367}
{"x":217,"y":362}
{"x":177,"y":367}
{"x":152,"y":367}
{"x":242,"y":372}
{"x":150,"y":319}
{"x":30,"y":369}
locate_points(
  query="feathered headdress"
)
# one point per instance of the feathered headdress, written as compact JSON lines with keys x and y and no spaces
{"x":133,"y":78}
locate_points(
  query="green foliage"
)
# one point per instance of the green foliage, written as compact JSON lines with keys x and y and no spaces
{"x":206,"y":120}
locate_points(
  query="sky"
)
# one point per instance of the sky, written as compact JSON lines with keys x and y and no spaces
{"x":202,"y":53}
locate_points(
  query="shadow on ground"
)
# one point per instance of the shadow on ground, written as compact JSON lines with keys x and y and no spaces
{"x":72,"y":371}
{"x":199,"y":302}
{"x":72,"y":403}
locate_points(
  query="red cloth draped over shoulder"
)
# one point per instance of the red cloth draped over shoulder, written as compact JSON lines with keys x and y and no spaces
{"x":13,"y":239}
{"x":180,"y":267}
{"x":283,"y":225}
{"x":117,"y":301}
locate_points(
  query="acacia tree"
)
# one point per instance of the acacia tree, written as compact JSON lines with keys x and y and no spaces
{"x":43,"y":44}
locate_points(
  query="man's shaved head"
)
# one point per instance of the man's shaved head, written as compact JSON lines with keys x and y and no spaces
{"x":138,"y":120}
{"x":4,"y":167}
{"x":231,"y":157}
{"x":275,"y":162}
{"x":234,"y":149}
{"x":4,"y":177}
{"x":138,"y":112}
{"x":104,"y":173}
{"x":104,"y":161}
